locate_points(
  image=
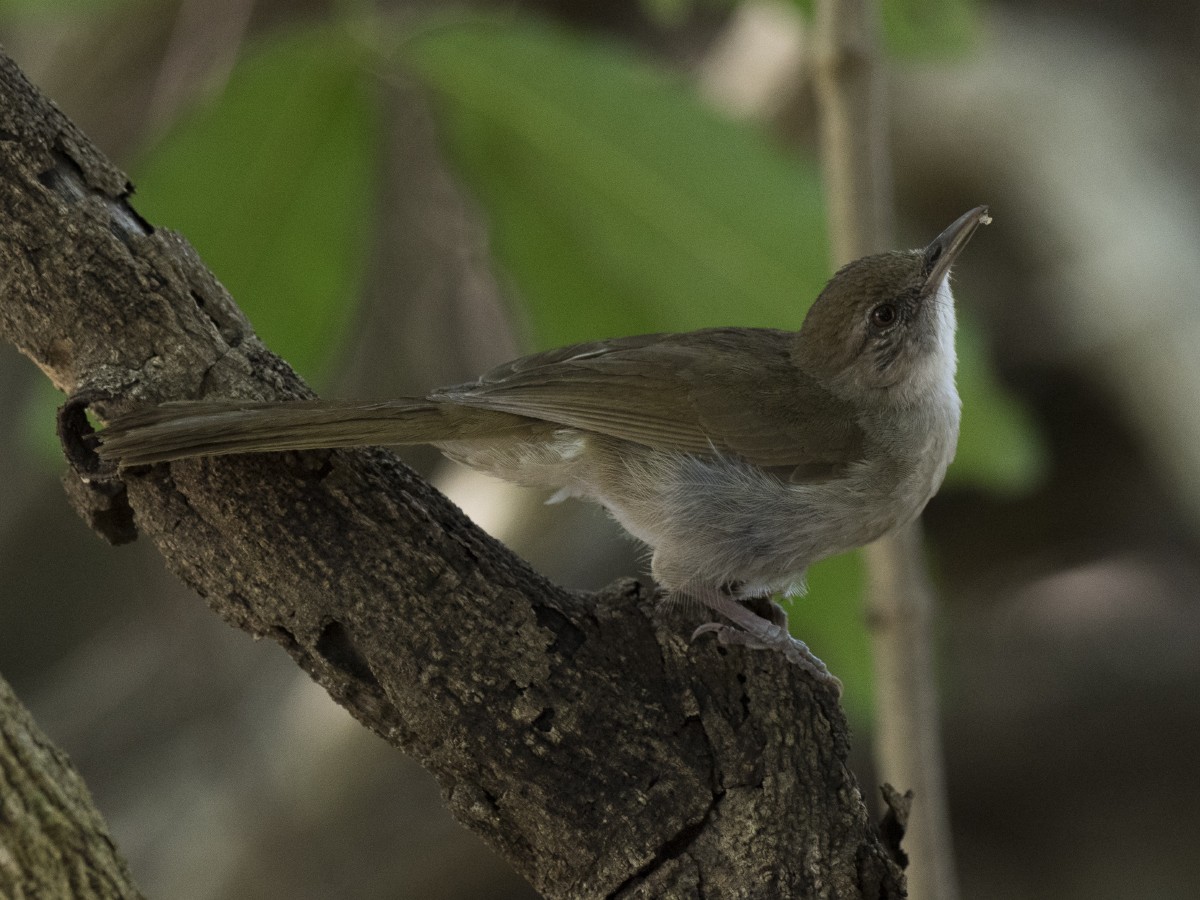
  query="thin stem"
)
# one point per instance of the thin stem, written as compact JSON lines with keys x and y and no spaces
{"x":851,"y":94}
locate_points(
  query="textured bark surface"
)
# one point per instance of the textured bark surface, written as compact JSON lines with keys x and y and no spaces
{"x":53,"y":842}
{"x":581,"y":735}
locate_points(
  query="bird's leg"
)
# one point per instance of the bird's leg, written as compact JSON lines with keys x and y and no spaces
{"x":765,"y":607}
{"x":758,"y":632}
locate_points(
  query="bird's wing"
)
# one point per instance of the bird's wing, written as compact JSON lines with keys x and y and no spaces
{"x":721,"y":391}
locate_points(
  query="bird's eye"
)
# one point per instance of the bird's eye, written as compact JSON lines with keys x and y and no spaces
{"x":883,"y":315}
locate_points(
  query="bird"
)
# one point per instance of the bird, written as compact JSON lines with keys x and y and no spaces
{"x":738,"y":456}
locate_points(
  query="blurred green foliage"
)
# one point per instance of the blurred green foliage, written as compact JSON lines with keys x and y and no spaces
{"x":671,"y":13}
{"x":617,"y":202}
{"x":830,"y":620}
{"x":274,"y":181}
{"x":911,"y":28}
{"x":929,"y":29}
{"x":999,"y":447}
{"x":52,"y":8}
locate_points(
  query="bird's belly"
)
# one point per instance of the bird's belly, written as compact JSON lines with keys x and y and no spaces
{"x":719,"y":520}
{"x":724,"y":522}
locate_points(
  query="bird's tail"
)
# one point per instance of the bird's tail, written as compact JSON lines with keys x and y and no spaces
{"x":173,"y":431}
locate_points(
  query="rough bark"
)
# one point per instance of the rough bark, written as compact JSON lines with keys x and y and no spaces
{"x":581,"y":735}
{"x":53,"y":842}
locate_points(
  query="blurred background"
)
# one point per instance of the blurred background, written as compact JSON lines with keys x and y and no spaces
{"x":401,"y":195}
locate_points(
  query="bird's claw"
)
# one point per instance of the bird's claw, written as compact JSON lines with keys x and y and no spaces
{"x":795,"y":651}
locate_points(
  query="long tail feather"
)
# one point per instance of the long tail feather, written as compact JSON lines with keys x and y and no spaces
{"x":173,"y":431}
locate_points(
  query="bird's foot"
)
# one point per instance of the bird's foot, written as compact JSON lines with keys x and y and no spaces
{"x":766,"y":608}
{"x":758,"y":633}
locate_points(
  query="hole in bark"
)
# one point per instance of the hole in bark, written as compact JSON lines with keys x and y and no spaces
{"x":895,"y":822}
{"x":679,"y":844}
{"x":544,"y":720}
{"x":79,"y":440}
{"x":568,"y":637}
{"x":285,"y":638}
{"x":67,"y":179}
{"x":92,"y":484}
{"x":104,"y":505}
{"x":336,"y":648}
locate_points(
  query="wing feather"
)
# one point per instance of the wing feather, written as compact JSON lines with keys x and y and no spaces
{"x":720,"y":391}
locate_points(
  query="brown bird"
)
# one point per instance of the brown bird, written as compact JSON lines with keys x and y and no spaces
{"x":739,"y":455}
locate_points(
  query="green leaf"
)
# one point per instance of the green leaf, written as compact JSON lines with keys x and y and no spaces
{"x":921,"y":29}
{"x":929,"y":28}
{"x":618,"y":202}
{"x":273,"y":183}
{"x":42,"y":10}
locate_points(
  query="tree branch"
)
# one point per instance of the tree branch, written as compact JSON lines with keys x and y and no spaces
{"x":53,"y":842}
{"x":581,"y":736}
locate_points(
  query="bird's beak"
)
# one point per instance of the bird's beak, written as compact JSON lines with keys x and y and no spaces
{"x":944,"y":249}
